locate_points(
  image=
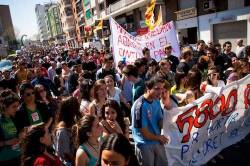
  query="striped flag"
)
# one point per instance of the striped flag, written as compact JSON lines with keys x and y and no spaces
{"x":159,"y":21}
{"x":149,"y":15}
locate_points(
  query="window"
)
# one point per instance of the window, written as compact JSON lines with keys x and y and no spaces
{"x":79,"y":7}
{"x":101,"y":6}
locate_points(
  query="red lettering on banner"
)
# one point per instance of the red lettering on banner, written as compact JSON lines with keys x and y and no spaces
{"x":182,"y":120}
{"x":213,"y":115}
{"x":206,"y":109}
{"x":150,"y":45}
{"x":246,"y":96}
{"x":126,"y":41}
{"x":128,"y":54}
{"x":163,"y":41}
{"x":228,"y":109}
{"x":207,"y":105}
{"x":159,"y":53}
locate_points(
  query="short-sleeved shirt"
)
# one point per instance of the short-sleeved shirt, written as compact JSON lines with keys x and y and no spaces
{"x":8,"y":132}
{"x":145,"y":114}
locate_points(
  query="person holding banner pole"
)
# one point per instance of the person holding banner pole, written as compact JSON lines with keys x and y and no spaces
{"x":147,"y":120}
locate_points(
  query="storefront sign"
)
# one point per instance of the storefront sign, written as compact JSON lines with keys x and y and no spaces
{"x":186,"y":13}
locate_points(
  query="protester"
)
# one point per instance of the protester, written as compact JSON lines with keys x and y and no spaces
{"x":146,"y":53}
{"x":173,"y":59}
{"x":88,"y":133}
{"x":8,"y":82}
{"x":85,"y":90}
{"x":47,"y":83}
{"x":42,"y":97}
{"x":63,"y":140}
{"x":131,"y":73}
{"x":30,"y":112}
{"x":165,"y":71}
{"x":147,"y":119}
{"x":99,"y":98}
{"x":240,"y":48}
{"x":10,"y":150}
{"x":185,"y":62}
{"x":168,"y":101}
{"x":141,"y":65}
{"x":21,"y":73}
{"x":107,"y":68}
{"x":113,"y":119}
{"x":36,"y":148}
{"x":152,"y":69}
{"x":116,"y":150}
{"x":114,"y":92}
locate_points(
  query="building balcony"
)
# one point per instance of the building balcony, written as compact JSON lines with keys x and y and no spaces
{"x":124,"y":5}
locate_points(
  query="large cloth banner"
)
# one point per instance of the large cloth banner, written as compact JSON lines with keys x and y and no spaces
{"x":126,"y":46}
{"x":200,"y":130}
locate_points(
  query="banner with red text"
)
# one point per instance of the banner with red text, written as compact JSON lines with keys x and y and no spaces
{"x":200,"y":130}
{"x":130,"y":47}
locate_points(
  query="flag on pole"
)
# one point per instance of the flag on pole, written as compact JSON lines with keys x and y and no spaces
{"x":159,"y":21}
{"x":149,"y":15}
{"x":99,"y":25}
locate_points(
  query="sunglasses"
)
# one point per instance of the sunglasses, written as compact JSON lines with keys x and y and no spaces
{"x":30,"y":94}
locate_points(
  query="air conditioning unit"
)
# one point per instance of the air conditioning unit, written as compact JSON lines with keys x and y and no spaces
{"x":208,"y":5}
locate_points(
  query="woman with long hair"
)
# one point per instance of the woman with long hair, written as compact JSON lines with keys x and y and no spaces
{"x":66,"y":119}
{"x":42,"y":96}
{"x":113,"y":119}
{"x":114,"y":92}
{"x":99,"y":97}
{"x":88,"y":132}
{"x":116,"y":150}
{"x":213,"y":81}
{"x":85,"y":89}
{"x":9,"y":141}
{"x":193,"y":85}
{"x":31,"y":112}
{"x":36,"y":147}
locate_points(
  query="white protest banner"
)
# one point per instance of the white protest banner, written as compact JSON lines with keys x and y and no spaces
{"x":130,"y":47}
{"x":200,"y":130}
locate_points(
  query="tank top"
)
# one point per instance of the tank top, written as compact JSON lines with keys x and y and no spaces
{"x":92,"y":159}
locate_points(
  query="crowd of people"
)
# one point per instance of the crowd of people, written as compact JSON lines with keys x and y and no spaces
{"x":76,"y":107}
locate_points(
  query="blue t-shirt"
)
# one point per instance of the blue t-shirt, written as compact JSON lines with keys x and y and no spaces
{"x":145,"y":114}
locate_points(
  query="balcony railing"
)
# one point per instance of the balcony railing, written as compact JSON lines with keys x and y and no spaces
{"x":118,"y":5}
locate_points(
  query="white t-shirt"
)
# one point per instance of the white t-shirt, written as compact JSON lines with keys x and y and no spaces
{"x":116,"y":97}
{"x":84,"y":107}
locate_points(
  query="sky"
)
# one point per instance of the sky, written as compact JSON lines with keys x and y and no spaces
{"x":23,"y":15}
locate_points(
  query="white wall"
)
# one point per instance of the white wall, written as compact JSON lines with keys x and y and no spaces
{"x":206,"y":22}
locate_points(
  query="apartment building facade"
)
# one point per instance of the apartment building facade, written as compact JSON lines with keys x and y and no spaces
{"x":41,"y":22}
{"x":53,"y":22}
{"x":210,"y":20}
{"x":68,"y":21}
